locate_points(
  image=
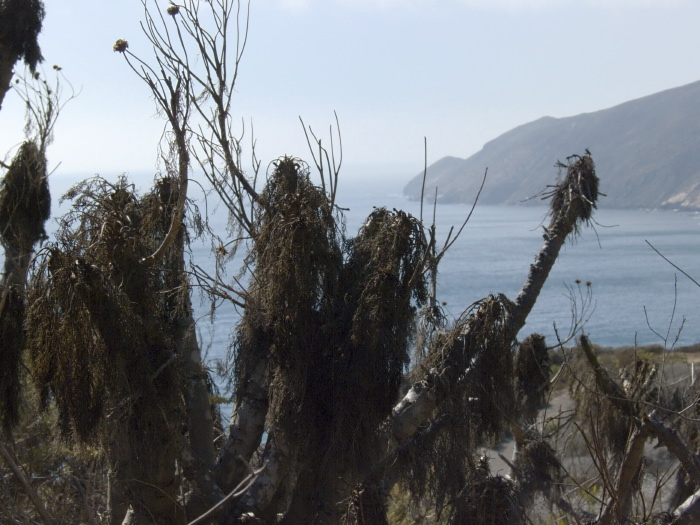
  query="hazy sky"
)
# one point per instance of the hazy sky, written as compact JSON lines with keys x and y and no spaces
{"x":459,"y":72}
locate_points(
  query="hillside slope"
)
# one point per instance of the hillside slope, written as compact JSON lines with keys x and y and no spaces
{"x":647,"y":154}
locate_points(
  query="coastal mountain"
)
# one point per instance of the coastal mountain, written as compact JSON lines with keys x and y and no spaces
{"x":647,"y":155}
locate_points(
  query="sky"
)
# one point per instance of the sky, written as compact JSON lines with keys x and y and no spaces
{"x":455,"y":72}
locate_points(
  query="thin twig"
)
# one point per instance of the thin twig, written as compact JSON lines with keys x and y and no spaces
{"x":237,"y":492}
{"x":672,"y":264}
{"x":471,"y":211}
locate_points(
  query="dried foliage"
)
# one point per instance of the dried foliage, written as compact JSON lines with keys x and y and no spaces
{"x":487,"y":499}
{"x":297,"y":259}
{"x":20,"y":25}
{"x":381,"y":285}
{"x":475,"y":364}
{"x":538,"y":470}
{"x":481,"y":363}
{"x":25,"y":204}
{"x":100,"y":332}
{"x":574,"y":198}
{"x":334,"y":317}
{"x":25,"y":201}
{"x":532,"y":372}
{"x":601,"y":417}
{"x":98,"y":317}
{"x":606,"y":415}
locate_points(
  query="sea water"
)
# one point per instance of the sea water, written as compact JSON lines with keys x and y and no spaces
{"x":607,"y":282}
{"x":634,"y":296}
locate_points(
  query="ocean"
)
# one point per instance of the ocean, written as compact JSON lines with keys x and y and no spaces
{"x":634,"y":296}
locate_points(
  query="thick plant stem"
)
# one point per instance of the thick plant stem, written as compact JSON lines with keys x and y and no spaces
{"x":245,"y":430}
{"x":618,"y":509}
{"x":670,"y":438}
{"x":420,"y":401}
{"x":262,"y":498}
{"x":572,"y":203}
{"x":688,"y":512}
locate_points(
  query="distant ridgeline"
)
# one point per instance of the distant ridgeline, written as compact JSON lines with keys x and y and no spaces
{"x":647,"y":155}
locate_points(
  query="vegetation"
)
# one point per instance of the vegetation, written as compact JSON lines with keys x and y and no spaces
{"x":20,"y":25}
{"x":354,"y":401}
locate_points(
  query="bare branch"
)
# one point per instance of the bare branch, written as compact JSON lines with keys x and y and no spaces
{"x":237,"y":492}
{"x":673,"y":264}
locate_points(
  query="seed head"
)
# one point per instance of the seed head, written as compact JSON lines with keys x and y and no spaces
{"x":120,"y":46}
{"x":173,"y":10}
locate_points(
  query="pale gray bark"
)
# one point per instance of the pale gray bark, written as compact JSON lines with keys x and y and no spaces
{"x":688,"y":513}
{"x":676,"y":445}
{"x":262,"y":499}
{"x":619,"y":505}
{"x":413,"y":410}
{"x":245,"y":430}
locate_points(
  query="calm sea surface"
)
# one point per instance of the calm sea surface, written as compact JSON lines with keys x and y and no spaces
{"x":496,"y":248}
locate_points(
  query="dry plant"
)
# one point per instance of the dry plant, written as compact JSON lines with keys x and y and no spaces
{"x":100,"y":331}
{"x":332,"y":321}
{"x":25,"y":206}
{"x":347,"y":382}
{"x":605,"y":444}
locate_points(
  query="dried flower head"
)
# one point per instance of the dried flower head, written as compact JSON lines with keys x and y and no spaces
{"x":578,"y":281}
{"x":588,"y":283}
{"x":57,"y":68}
{"x":173,"y":10}
{"x":120,"y":45}
{"x":36,"y":75}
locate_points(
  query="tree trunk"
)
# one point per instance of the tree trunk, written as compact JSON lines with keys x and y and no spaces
{"x":245,"y":429}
